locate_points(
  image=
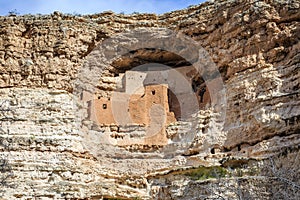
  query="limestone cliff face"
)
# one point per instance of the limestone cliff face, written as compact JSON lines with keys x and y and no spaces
{"x":254,"y":45}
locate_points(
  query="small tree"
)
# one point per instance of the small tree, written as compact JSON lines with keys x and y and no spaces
{"x":13,"y":12}
{"x":283,"y":176}
{"x":277,"y":178}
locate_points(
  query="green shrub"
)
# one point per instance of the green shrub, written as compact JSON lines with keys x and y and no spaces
{"x":203,"y":173}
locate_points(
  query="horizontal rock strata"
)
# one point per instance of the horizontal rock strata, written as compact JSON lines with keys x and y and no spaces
{"x":44,"y":150}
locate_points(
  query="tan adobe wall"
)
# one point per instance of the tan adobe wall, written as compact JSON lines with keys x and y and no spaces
{"x":138,"y":109}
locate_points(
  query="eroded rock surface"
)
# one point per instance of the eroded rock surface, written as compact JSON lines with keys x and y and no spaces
{"x":255,"y":46}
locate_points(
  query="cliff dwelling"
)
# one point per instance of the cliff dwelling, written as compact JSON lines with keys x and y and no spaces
{"x":138,"y":105}
{"x":148,"y":98}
